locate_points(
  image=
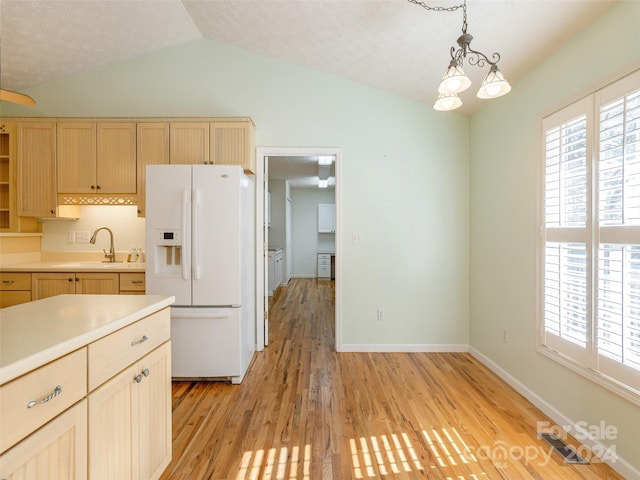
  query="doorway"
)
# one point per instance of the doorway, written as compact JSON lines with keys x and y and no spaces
{"x":262,"y":199}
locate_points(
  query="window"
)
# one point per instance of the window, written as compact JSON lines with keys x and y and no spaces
{"x":589,"y":253}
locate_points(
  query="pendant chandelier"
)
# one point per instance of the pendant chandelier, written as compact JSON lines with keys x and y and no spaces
{"x":454,"y":79}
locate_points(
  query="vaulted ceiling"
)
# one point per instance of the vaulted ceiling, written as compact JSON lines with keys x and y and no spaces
{"x":393,"y":45}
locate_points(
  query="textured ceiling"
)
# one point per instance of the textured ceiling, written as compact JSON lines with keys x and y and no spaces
{"x":393,"y":45}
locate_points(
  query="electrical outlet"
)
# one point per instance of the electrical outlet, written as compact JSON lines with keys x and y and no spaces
{"x":355,"y":239}
{"x":83,"y":236}
{"x":71,"y":236}
{"x":380,"y":315}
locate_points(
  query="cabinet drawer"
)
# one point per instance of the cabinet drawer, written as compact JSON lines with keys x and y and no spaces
{"x":10,"y":298}
{"x":15,"y":281}
{"x":115,"y":352}
{"x":324,"y":271}
{"x":17,"y":419}
{"x":324,"y":260}
{"x":132,"y":282}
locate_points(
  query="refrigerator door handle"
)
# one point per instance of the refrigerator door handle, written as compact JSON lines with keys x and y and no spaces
{"x":196,"y":239}
{"x":185,"y":212}
{"x":198,"y":315}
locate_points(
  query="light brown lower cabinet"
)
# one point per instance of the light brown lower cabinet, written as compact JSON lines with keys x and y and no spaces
{"x":15,"y":288}
{"x":120,"y":429}
{"x":130,"y":420}
{"x":132,"y":283}
{"x":45,"y":285}
{"x":58,"y":450}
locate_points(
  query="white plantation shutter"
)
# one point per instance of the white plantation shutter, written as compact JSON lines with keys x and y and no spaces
{"x":590,"y":227}
{"x":617,"y":320}
{"x":567,"y":150}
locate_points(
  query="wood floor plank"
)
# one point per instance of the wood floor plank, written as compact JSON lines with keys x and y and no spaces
{"x":306,"y":412}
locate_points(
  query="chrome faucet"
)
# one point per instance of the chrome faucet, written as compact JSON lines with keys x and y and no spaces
{"x":111,"y":256}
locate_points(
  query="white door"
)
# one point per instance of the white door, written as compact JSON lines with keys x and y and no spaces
{"x":216,"y":230}
{"x":265,"y":249}
{"x":167,"y":231}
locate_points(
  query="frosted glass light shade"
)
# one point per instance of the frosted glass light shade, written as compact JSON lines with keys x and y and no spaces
{"x":494,"y":85}
{"x":454,"y":80}
{"x":447,"y":101}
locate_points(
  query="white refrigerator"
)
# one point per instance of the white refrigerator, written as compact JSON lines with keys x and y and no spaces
{"x":200,"y":247}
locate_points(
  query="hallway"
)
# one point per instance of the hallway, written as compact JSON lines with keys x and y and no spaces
{"x":307,"y":412}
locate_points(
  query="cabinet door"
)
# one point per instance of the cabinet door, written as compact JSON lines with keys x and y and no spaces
{"x":58,"y":450}
{"x":37,"y":169}
{"x":116,"y":158}
{"x":45,"y":285}
{"x":106,"y":283}
{"x":154,"y":412}
{"x":76,"y":157}
{"x":189,"y":143}
{"x":153,"y":148}
{"x":130,"y":420}
{"x":278,"y":270}
{"x":326,"y":218}
{"x":111,"y":427}
{"x":272,"y":273}
{"x":232,"y":144}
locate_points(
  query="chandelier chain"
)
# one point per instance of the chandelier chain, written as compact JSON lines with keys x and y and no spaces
{"x":453,"y":8}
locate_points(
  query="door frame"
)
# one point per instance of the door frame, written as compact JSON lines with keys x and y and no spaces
{"x":261,"y":247}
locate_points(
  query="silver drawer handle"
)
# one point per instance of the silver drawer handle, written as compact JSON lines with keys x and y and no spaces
{"x":51,"y":396}
{"x":138,"y":342}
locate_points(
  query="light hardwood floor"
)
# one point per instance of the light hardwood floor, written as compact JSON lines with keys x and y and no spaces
{"x":307,"y":412}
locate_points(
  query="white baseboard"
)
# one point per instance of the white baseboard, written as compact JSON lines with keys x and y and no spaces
{"x":620,"y":465}
{"x":401,"y":348}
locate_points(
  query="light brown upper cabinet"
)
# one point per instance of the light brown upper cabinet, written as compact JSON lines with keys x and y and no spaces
{"x":233,"y":143}
{"x":189,"y":143}
{"x":214,"y":143}
{"x":96,"y":158}
{"x":152,"y":148}
{"x":37,"y":169}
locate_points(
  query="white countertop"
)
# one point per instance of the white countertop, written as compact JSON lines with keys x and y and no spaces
{"x":61,"y":266}
{"x":35,"y":333}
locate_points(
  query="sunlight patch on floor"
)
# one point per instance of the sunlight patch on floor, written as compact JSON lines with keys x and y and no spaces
{"x":383,"y":455}
{"x":389,"y":455}
{"x":276,"y":464}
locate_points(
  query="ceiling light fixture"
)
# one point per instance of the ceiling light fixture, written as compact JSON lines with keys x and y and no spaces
{"x":455,"y":80}
{"x":324,"y":170}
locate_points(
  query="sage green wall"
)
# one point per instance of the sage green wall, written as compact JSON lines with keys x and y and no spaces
{"x":404,"y":171}
{"x":504,"y":138}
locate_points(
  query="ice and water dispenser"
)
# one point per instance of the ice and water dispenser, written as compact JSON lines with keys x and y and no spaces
{"x":168,"y":253}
